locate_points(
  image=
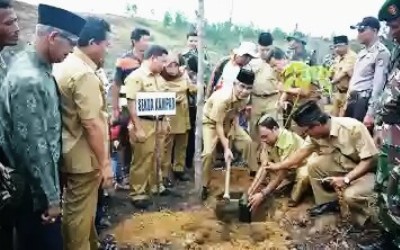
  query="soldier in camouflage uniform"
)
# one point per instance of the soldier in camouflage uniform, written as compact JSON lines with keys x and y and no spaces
{"x":388,"y":137}
{"x":297,"y":49}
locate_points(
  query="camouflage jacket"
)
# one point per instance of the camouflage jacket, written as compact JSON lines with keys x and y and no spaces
{"x":30,"y":126}
{"x":389,"y":105}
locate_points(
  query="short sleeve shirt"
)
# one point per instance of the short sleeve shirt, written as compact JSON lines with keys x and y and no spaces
{"x":348,"y":137}
{"x":124,"y":66}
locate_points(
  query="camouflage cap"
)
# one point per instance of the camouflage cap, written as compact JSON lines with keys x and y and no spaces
{"x":298,"y":36}
{"x":389,"y":10}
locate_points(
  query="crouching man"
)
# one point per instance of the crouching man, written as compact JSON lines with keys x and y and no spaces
{"x":221,"y":122}
{"x":346,"y":157}
{"x":277,"y":144}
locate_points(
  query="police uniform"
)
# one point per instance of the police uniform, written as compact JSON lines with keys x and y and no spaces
{"x":177,"y":139}
{"x":369,"y":75}
{"x":142,"y":175}
{"x":349,"y":142}
{"x":223,"y":108}
{"x":83,"y":98}
{"x":342,"y":68}
{"x":31,"y":133}
{"x":287,"y":143}
{"x":389,"y":120}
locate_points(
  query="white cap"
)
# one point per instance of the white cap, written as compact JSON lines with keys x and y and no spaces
{"x":246,"y":48}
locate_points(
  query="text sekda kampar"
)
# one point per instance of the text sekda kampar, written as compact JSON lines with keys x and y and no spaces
{"x":156,"y":104}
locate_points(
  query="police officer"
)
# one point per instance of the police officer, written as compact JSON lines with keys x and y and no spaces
{"x":265,"y":92}
{"x":387,"y":136}
{"x":220,"y":123}
{"x":346,"y":157}
{"x":370,"y":72}
{"x":142,"y":175}
{"x":85,"y":134}
{"x":342,"y":70}
{"x":31,"y":126}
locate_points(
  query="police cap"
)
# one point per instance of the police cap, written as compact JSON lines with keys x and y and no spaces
{"x":60,"y":18}
{"x":307,"y":113}
{"x":389,"y":10}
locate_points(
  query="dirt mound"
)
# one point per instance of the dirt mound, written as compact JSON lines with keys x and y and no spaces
{"x":198,"y":230}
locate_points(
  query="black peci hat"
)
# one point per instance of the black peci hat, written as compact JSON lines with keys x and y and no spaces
{"x":246,"y":76}
{"x":307,"y":113}
{"x":60,"y":18}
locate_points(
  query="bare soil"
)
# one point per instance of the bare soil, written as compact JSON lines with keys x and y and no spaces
{"x":180,"y":222}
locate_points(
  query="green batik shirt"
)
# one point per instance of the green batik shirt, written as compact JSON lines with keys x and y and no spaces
{"x":30,"y":125}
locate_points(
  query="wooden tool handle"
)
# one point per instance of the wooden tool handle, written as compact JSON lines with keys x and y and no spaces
{"x":227,"y":180}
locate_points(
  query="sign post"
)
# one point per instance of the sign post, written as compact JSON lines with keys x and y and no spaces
{"x":156,"y":105}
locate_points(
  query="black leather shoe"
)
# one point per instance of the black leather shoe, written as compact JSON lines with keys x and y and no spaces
{"x":167,"y":182}
{"x":181,"y":176}
{"x":330,"y":207}
{"x":204,"y":193}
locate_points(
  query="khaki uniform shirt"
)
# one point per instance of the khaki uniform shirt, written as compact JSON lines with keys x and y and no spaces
{"x":265,"y":82}
{"x":349,"y":141}
{"x":180,"y":122}
{"x":222,"y":107}
{"x":143,"y":80}
{"x":343,"y":66}
{"x":83,"y":98}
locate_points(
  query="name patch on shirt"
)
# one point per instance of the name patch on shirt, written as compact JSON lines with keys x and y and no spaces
{"x":155,"y":103}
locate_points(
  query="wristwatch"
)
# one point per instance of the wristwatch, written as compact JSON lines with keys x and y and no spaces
{"x":346,"y":180}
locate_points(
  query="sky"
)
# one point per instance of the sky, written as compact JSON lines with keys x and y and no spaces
{"x":315,"y":17}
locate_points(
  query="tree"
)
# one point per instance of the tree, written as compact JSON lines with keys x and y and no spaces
{"x":180,"y":20}
{"x":131,"y":9}
{"x":198,"y":166}
{"x":278,"y":34}
{"x":167,"y":21}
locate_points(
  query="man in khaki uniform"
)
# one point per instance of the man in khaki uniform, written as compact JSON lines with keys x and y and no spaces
{"x":221,"y":123}
{"x":142,"y":175}
{"x":342,"y":70}
{"x":346,"y":155}
{"x":85,"y":138}
{"x":265,"y":92}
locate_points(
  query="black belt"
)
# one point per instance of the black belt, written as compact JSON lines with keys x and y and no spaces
{"x":265,"y":95}
{"x":360,"y":94}
{"x":151,"y":118}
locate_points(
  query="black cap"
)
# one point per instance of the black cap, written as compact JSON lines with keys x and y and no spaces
{"x":246,"y":76}
{"x":369,"y":21}
{"x":60,"y":18}
{"x":265,"y":39}
{"x":307,"y":113}
{"x":339,"y":40}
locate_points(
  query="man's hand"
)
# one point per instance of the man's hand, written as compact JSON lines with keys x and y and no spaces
{"x":51,"y":214}
{"x":255,"y":201}
{"x":107,"y":174}
{"x":228,"y":155}
{"x":335,"y":181}
{"x":369,"y":121}
{"x":273,"y":166}
{"x":378,"y":138}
